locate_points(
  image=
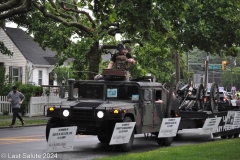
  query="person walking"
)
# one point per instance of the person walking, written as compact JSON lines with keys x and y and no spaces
{"x":16,"y":98}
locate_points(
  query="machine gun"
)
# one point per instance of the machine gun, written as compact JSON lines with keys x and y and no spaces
{"x":190,"y":98}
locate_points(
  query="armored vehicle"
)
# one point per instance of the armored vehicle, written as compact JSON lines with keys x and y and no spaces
{"x":95,"y":106}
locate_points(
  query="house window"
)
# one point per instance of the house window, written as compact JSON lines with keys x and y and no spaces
{"x":40,"y":77}
{"x":15,"y":73}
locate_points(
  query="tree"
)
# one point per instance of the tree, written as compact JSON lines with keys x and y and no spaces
{"x":226,"y":81}
{"x":4,"y":50}
{"x":177,"y":25}
{"x":10,"y":8}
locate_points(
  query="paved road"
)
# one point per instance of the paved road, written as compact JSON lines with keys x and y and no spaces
{"x":29,"y":142}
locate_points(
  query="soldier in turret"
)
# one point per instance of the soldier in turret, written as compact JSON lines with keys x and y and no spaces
{"x":121,"y":60}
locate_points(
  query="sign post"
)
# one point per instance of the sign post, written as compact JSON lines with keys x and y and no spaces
{"x":210,"y":125}
{"x":233,"y":120}
{"x":122,"y":133}
{"x":61,"y":139}
{"x":169,"y":127}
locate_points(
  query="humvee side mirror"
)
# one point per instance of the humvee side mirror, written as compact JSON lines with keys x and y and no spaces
{"x":147,"y":94}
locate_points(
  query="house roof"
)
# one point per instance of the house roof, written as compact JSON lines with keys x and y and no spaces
{"x":29,"y":48}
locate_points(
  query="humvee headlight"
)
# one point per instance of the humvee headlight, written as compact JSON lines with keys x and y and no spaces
{"x":51,"y":108}
{"x":100,"y":114}
{"x":65,"y":113}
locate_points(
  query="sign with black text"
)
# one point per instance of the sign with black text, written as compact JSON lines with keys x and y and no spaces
{"x":122,"y":133}
{"x":233,"y":120}
{"x":61,"y":139}
{"x":169,"y":127}
{"x":210,"y":125}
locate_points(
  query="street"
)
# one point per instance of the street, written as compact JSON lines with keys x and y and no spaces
{"x":30,"y":143}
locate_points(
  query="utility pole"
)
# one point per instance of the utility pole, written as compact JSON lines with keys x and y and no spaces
{"x":206,"y":71}
{"x":177,"y":65}
{"x":187,"y":65}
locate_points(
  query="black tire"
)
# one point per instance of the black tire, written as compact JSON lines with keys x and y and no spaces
{"x":104,"y":138}
{"x":236,"y":135}
{"x":214,"y":96}
{"x":200,"y":96}
{"x":126,"y":147}
{"x":165,"y":141}
{"x":230,"y":136}
{"x":52,"y":123}
{"x":224,"y":137}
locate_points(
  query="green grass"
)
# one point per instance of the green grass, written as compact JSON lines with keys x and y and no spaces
{"x":6,"y":120}
{"x":228,"y":149}
{"x":5,"y":117}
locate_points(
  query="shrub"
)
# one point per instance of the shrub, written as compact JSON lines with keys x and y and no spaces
{"x":5,"y":113}
{"x":28,"y":90}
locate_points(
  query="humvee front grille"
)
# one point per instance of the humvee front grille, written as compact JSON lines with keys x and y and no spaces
{"x":83,"y":114}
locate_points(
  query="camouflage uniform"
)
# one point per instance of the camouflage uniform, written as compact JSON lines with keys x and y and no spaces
{"x":122,"y":63}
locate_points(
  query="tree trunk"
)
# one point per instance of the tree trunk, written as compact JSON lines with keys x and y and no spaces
{"x":94,"y":57}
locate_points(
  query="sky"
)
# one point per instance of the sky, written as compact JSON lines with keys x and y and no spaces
{"x":14,"y":25}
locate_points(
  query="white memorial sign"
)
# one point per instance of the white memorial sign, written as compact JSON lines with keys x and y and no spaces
{"x":233,"y":120}
{"x":122,"y":133}
{"x":61,"y":139}
{"x":169,"y":127}
{"x":211,"y":125}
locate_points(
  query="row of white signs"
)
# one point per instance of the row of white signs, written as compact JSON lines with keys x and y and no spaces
{"x":61,"y":139}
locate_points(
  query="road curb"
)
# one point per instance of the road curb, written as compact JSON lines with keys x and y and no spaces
{"x":30,"y":125}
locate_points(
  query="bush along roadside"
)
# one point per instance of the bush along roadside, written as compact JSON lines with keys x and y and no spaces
{"x":27,"y":89}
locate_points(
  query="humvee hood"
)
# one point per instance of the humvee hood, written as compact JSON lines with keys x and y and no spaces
{"x":99,"y":104}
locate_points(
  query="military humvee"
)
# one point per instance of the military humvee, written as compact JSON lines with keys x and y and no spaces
{"x":95,"y":106}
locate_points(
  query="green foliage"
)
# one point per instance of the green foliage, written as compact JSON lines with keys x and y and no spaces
{"x":179,"y":25}
{"x":158,"y":61}
{"x":63,"y":72}
{"x":28,"y":91}
{"x":2,"y":75}
{"x":229,"y":77}
{"x":4,"y":50}
{"x":5,"y":113}
{"x":5,"y":87}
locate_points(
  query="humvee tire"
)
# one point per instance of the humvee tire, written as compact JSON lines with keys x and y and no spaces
{"x":52,"y":123}
{"x":126,"y":147}
{"x":103,"y":138}
{"x":224,"y":137}
{"x":230,"y":136}
{"x":165,"y":141}
{"x":236,"y":135}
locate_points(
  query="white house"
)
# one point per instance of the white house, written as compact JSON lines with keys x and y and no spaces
{"x":29,"y":63}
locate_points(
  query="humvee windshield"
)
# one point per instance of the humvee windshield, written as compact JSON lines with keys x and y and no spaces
{"x":90,"y":91}
{"x":122,"y":92}
{"x":113,"y":92}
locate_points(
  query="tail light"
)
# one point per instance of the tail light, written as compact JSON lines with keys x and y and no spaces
{"x":205,"y":99}
{"x":224,"y":99}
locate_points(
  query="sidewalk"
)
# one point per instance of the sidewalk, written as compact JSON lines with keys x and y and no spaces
{"x":26,"y":119}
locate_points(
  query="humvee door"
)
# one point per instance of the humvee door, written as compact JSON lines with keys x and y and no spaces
{"x":147,"y":107}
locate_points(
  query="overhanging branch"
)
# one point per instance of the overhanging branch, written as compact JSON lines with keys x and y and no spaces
{"x":24,"y":8}
{"x":78,"y":11}
{"x":59,"y":19}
